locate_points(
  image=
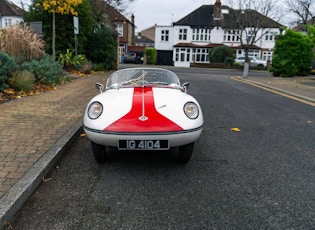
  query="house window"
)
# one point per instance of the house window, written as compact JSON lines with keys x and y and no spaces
{"x":254,"y":53}
{"x":251,"y":53}
{"x":267,"y":55}
{"x":200,"y":55}
{"x":120,"y":30}
{"x":201,"y":35}
{"x":165,"y":35}
{"x":182,"y":55}
{"x":182,"y":34}
{"x":188,"y":55}
{"x":231,"y":36}
{"x":250,"y":36}
{"x":7,"y":22}
{"x":271,"y":36}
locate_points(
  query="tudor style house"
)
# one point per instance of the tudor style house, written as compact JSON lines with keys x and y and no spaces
{"x":190,"y":39}
{"x":9,"y":14}
{"x":116,"y":21}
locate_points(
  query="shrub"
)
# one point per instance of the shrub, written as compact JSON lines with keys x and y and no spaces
{"x":229,"y":61}
{"x":21,"y":43}
{"x":220,"y":53}
{"x":46,"y":70}
{"x":70,"y":61}
{"x":99,"y":67}
{"x":22,"y":81}
{"x":151,"y":55}
{"x":7,"y":68}
{"x":85,"y":68}
{"x":102,"y":48}
{"x":293,"y":55}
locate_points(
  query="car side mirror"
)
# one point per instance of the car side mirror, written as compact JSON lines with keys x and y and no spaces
{"x":185,"y":86}
{"x":99,"y":86}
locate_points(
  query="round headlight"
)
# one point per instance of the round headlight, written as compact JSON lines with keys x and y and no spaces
{"x":95,"y":110}
{"x":191,"y":110}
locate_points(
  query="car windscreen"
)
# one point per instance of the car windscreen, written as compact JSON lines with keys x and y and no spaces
{"x":135,"y":76}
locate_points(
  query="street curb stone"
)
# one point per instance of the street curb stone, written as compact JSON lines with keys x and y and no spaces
{"x":281,"y":90}
{"x":241,"y":79}
{"x":16,"y":196}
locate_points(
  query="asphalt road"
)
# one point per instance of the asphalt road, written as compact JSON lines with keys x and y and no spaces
{"x":259,"y":178}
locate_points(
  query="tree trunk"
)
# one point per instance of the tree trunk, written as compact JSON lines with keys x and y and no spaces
{"x":246,"y":63}
{"x":246,"y":68}
{"x":53,"y":46}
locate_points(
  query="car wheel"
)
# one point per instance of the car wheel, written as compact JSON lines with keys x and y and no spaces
{"x":99,"y":152}
{"x":261,"y":66}
{"x":185,"y":152}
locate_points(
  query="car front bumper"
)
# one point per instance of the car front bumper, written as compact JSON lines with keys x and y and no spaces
{"x":175,"y":139}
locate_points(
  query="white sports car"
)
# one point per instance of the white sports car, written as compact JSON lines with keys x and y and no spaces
{"x":143,"y":109}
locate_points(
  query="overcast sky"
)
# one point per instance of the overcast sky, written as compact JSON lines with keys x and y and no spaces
{"x":163,"y":12}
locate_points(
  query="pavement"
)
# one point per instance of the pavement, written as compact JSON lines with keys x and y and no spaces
{"x":35,"y":131}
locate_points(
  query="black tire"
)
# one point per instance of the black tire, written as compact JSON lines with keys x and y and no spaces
{"x":185,"y":152}
{"x":99,"y":152}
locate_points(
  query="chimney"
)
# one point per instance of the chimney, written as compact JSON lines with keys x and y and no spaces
{"x":217,"y":10}
{"x":133,"y":30}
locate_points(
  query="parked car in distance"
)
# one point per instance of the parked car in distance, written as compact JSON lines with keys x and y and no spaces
{"x":134,"y":57}
{"x":253,"y":61}
{"x":143,"y":109}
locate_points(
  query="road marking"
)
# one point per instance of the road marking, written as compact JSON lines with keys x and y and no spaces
{"x":276,"y":91}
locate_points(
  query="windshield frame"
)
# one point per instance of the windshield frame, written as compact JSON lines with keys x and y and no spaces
{"x":136,"y":77}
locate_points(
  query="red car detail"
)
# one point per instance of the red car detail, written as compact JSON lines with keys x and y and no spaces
{"x":152,"y":120}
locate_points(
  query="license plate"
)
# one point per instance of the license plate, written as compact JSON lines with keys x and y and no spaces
{"x":143,"y":144}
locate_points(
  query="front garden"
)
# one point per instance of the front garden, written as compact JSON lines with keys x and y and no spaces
{"x":26,"y":69}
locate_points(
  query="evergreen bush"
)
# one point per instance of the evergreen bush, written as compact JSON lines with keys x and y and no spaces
{"x":102,"y":48}
{"x":7,"y":68}
{"x":151,"y":55}
{"x":45,"y":70}
{"x":99,"y":67}
{"x":229,"y":61}
{"x":220,"y":53}
{"x":293,"y":55}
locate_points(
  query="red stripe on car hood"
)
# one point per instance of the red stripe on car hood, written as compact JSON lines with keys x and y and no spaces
{"x":156,"y":122}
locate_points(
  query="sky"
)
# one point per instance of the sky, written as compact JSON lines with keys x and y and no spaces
{"x":162,"y":12}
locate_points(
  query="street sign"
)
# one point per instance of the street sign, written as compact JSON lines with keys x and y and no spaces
{"x":76,"y":24}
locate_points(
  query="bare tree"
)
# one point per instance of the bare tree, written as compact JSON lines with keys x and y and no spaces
{"x":121,"y":5}
{"x":101,"y":11}
{"x":252,"y":21}
{"x":300,"y":11}
{"x":101,"y":8}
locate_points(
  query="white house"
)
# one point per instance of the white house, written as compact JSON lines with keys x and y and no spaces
{"x":190,"y":39}
{"x":9,"y":14}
